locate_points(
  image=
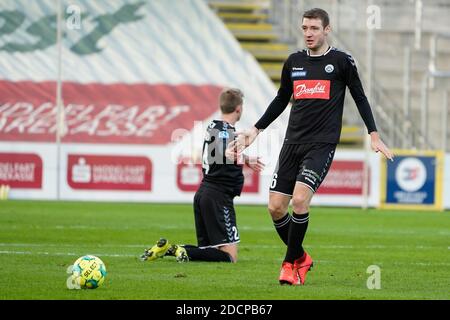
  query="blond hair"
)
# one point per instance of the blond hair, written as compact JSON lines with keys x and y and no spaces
{"x":229,"y":99}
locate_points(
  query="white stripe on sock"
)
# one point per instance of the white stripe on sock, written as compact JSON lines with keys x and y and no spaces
{"x":302,"y":220}
{"x":284,"y":222}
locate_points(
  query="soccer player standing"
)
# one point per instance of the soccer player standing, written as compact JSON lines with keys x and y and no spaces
{"x":223,"y":180}
{"x":316,"y":78}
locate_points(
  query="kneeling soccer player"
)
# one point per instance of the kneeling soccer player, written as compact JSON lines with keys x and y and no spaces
{"x":215,"y":218}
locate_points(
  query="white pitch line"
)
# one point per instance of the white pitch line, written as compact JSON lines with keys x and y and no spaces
{"x":5,"y":244}
{"x":374,"y":246}
{"x":63,"y":254}
{"x":89,"y":227}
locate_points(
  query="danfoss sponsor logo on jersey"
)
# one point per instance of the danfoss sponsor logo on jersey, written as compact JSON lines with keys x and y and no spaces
{"x":312,"y":89}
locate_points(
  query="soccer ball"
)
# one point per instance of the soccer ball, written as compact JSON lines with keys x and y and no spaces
{"x":89,"y":272}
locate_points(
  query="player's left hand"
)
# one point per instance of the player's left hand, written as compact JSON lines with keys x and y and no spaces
{"x":255,"y":163}
{"x":378,"y":145}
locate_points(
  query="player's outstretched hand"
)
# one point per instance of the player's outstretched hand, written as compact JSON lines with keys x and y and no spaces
{"x":246,"y":138}
{"x":255,"y":163}
{"x":378,"y":145}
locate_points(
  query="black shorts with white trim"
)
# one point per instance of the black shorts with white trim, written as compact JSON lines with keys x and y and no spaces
{"x":306,"y":163}
{"x":215,"y":217}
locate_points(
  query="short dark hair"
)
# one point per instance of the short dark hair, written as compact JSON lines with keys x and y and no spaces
{"x":229,"y":99}
{"x":317,"y":13}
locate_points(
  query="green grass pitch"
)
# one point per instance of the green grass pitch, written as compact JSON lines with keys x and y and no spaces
{"x":39,"y":240}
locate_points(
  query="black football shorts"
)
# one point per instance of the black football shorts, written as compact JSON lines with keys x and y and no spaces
{"x":302,"y":163}
{"x":215,"y":218}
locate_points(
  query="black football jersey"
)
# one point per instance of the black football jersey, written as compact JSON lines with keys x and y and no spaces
{"x":219,"y":171}
{"x":317,"y":85}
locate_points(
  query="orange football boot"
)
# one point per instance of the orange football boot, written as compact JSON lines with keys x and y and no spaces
{"x":302,"y":266}
{"x":288,"y":274}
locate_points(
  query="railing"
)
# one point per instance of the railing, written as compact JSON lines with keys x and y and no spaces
{"x":285,"y":14}
{"x":428,"y":83}
{"x":386,"y":111}
{"x":424,"y":107}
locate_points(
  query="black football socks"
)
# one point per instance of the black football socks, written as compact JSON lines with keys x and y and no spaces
{"x":297,"y":231}
{"x":206,"y":254}
{"x":282,"y":227}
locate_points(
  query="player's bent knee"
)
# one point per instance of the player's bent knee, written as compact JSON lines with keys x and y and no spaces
{"x":277,"y":210}
{"x":300,"y":207}
{"x":300,"y":203}
{"x":278,"y":205}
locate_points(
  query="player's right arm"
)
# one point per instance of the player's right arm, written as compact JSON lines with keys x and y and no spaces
{"x":273,"y":111}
